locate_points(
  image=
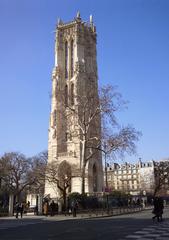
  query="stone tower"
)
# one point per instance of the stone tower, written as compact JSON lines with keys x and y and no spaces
{"x":74,"y":75}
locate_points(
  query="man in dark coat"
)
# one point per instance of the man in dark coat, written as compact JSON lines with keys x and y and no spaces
{"x":158,"y":209}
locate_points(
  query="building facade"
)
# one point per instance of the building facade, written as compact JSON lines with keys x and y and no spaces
{"x":135,"y":179}
{"x":74,"y":75}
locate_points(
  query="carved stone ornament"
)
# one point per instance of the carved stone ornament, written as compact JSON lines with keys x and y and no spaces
{"x":57,"y":70}
{"x":53,"y":133}
{"x":79,"y":67}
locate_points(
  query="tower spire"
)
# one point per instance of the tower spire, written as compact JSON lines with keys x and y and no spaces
{"x":91,"y":19}
{"x":78,"y":16}
{"x":60,"y":21}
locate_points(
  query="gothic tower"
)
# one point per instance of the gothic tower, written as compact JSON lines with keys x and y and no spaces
{"x":74,"y":74}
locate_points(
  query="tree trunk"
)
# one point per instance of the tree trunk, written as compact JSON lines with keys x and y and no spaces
{"x":64,"y":198}
{"x":83,"y":180}
{"x":11,"y":204}
{"x":83,"y":165}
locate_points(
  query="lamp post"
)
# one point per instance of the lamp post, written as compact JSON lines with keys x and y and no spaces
{"x":105,"y":162}
{"x":105,"y":165}
{"x":106,"y":180}
{"x":144,"y":198}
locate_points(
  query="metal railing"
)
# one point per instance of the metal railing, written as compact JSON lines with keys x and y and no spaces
{"x":109,"y":212}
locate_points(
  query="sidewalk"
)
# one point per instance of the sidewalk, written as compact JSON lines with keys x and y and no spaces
{"x":80,"y":215}
{"x":96,"y":214}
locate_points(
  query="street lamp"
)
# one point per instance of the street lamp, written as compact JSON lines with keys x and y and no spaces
{"x":105,"y":162}
{"x":106,"y":180}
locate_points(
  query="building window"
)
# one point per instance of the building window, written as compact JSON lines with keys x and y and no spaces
{"x":70,"y":137}
{"x":66,"y":96}
{"x":72,"y":59}
{"x":72,"y":94}
{"x":66,"y":136}
{"x":66,"y":60}
{"x":109,"y":177}
{"x":54,"y":117}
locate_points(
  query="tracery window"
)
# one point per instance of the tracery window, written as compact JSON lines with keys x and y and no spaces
{"x":66,"y":136}
{"x":66,"y":96}
{"x":72,"y":58}
{"x":66,"y":60}
{"x":54,"y":117}
{"x":94,"y":178}
{"x":72,"y":94}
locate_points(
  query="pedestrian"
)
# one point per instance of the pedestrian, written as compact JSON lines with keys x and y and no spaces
{"x":21,"y":208}
{"x":36,"y":210}
{"x":52,"y":208}
{"x":74,"y":207}
{"x":158,"y":209}
{"x":45,"y":208}
{"x":161,"y":207}
{"x":17,"y":209}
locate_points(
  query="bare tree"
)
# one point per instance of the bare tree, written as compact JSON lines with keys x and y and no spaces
{"x":161,"y":176}
{"x":16,"y":172}
{"x":54,"y":173}
{"x":60,"y":175}
{"x":38,"y":165}
{"x":92,"y":119}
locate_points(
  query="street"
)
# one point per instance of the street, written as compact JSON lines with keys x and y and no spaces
{"x":130,"y":226}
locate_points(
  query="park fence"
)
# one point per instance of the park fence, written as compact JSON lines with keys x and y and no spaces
{"x":113,"y":211}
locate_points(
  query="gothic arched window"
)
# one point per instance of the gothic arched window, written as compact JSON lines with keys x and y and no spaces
{"x":72,"y":58}
{"x":72,"y":94}
{"x":66,"y":96}
{"x":54,"y":117}
{"x":66,"y":60}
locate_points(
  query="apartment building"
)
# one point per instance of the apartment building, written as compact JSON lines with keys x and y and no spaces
{"x":131,"y":178}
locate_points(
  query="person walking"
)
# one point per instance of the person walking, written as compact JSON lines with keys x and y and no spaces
{"x":74,"y":207}
{"x":52,"y":208}
{"x":17,"y":209}
{"x":36,"y":210}
{"x":45,"y":209}
{"x":158,"y":209}
{"x":21,"y":208}
{"x":161,"y":207}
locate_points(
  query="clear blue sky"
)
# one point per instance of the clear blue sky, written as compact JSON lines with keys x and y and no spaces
{"x":133,"y":53}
